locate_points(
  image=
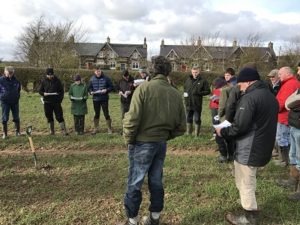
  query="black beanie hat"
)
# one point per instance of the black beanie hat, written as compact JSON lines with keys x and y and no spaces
{"x":248,"y":74}
{"x":49,"y":71}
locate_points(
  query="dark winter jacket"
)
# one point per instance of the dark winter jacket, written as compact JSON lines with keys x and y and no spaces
{"x":294,"y":116}
{"x":195,"y":89}
{"x":98,"y":84}
{"x":126,"y":85}
{"x":254,"y":126}
{"x":9,"y":90}
{"x":52,"y":86}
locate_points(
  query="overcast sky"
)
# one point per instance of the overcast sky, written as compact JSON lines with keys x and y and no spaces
{"x":129,"y":21}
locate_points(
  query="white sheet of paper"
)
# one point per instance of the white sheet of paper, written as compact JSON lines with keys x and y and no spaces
{"x":225,"y":123}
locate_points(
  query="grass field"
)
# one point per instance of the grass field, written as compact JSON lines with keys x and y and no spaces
{"x":82,"y":179}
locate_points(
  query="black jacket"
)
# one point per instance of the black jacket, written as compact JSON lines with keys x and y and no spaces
{"x":254,"y":126}
{"x":126,"y":85}
{"x":196,"y":89}
{"x":52,"y":86}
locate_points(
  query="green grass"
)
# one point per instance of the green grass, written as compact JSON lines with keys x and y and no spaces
{"x":86,"y":178}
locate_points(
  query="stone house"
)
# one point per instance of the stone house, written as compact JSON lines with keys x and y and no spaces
{"x":216,"y":58}
{"x":112,"y":55}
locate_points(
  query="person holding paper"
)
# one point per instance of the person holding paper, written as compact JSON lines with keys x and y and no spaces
{"x":78,"y":94}
{"x":254,"y":129}
{"x":195,"y":88}
{"x":52,"y":91}
{"x":99,"y":87}
{"x":125,"y":88}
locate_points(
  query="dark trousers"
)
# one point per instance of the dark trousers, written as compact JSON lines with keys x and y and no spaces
{"x":6,"y":108}
{"x":124,"y":108}
{"x":55,"y":108}
{"x":193,"y":115}
{"x":226,"y":147}
{"x":79,"y":123}
{"x":97,"y":107}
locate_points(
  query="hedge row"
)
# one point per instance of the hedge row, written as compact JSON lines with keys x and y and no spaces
{"x":30,"y":75}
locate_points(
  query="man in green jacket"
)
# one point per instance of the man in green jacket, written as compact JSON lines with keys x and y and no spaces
{"x":156,"y":115}
{"x":195,"y":88}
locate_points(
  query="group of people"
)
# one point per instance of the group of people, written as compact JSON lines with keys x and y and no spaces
{"x":254,"y":109}
{"x":153,"y":112}
{"x":52,"y":93}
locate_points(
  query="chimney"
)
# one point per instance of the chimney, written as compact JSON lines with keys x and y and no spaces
{"x":199,"y":42}
{"x":270,"y":45}
{"x":234,"y":43}
{"x":108,"y":40}
{"x":145,"y":43}
{"x":162,"y":43}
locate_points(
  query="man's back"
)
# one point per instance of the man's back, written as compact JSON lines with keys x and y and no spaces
{"x":156,"y":112}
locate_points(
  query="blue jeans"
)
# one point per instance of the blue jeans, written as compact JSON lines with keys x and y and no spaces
{"x":283,"y":135}
{"x":145,"y":157}
{"x":295,"y":147}
{"x":5,"y":112}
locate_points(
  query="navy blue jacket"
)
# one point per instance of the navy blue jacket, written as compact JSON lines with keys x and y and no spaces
{"x":99,"y":83}
{"x":9,"y":90}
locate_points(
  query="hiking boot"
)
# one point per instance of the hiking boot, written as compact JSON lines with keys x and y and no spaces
{"x":148,"y":220}
{"x":246,"y":218}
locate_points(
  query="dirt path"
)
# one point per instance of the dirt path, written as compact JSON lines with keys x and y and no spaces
{"x":52,"y":151}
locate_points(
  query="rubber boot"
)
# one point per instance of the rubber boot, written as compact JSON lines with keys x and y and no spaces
{"x":51,"y":127}
{"x":197,"y":130}
{"x":108,"y":123}
{"x":63,"y":128}
{"x":296,"y":195}
{"x":285,"y":155}
{"x":96,"y":126}
{"x":189,"y":128}
{"x":292,"y":181}
{"x":17,"y":128}
{"x":4,"y":136}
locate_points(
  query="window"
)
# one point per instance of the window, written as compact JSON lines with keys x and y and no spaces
{"x":101,"y":54}
{"x":135,"y":55}
{"x":112,"y":65}
{"x":111,"y":54}
{"x":135,"y":65}
{"x":174,"y":68}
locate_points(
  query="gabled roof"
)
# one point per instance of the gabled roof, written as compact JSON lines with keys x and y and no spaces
{"x":216,"y":52}
{"x":88,"y":49}
{"x":126,"y":50}
{"x":122,"y":50}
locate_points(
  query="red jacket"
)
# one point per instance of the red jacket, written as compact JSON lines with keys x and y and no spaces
{"x":288,"y":87}
{"x":214,"y":100}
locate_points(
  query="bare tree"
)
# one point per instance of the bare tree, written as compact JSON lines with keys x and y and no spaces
{"x":290,"y":52}
{"x":43,"y":43}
